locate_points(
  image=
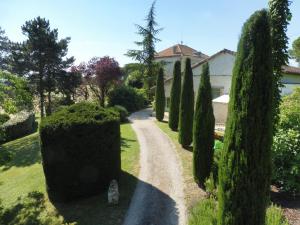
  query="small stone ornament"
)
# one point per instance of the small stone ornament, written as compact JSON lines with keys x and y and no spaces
{"x":113,"y":193}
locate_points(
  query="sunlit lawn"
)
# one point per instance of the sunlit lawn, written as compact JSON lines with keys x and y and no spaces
{"x":24,"y":174}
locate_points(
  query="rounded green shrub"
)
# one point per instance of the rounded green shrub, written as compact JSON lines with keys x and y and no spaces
{"x":3,"y":118}
{"x":19,"y":125}
{"x":80,"y":147}
{"x":130,"y":98}
{"x":122,"y":112}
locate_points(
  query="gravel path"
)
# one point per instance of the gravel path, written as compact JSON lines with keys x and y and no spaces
{"x":159,"y":197}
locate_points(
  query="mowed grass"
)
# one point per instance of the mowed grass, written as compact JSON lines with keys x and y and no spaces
{"x":24,"y":174}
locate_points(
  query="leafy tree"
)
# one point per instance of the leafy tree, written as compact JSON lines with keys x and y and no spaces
{"x":4,"y":49}
{"x":280,"y":16}
{"x":186,"y":110}
{"x":146,"y":54}
{"x":295,"y":51}
{"x":244,"y":171}
{"x":68,"y":82}
{"x":46,"y":56}
{"x":175,"y":97}
{"x":102,"y":74}
{"x":15,"y":94}
{"x":203,"y":130}
{"x":160,"y":96}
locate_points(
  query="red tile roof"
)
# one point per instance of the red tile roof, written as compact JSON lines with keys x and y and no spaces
{"x":291,"y":70}
{"x":180,"y":50}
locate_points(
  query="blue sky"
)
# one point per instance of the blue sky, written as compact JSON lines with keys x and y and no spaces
{"x":106,"y":27}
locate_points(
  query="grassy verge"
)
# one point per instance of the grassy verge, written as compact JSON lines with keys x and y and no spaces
{"x":23,"y":174}
{"x":192,"y":192}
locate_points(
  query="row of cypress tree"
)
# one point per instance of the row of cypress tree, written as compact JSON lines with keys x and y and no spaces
{"x":245,"y":166}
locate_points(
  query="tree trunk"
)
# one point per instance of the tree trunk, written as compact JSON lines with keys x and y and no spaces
{"x":49,"y":107}
{"x":41,"y":93}
{"x":102,"y":97}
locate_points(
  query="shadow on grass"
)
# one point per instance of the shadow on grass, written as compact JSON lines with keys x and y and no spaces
{"x":188,"y":148}
{"x":285,"y":200}
{"x":21,"y":152}
{"x":95,"y":210}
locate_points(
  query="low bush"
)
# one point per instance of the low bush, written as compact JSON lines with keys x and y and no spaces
{"x":286,"y":145}
{"x":205,"y":213}
{"x":130,"y":98}
{"x":122,"y":112}
{"x":29,"y":210}
{"x":286,"y":160}
{"x":19,"y":125}
{"x":80,"y":147}
{"x":3,"y":118}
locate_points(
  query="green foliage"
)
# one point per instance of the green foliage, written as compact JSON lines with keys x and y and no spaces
{"x":135,"y":79}
{"x":286,"y":160}
{"x":29,"y":210}
{"x":175,"y":97}
{"x":275,"y":216}
{"x":21,"y":124}
{"x":280,"y":16}
{"x":122,"y":112}
{"x":3,"y":118}
{"x":80,"y":147}
{"x":203,"y":130}
{"x":295,"y":51}
{"x":245,"y":168}
{"x":160,"y":96}
{"x":145,"y":55}
{"x":15,"y":94}
{"x":186,"y":109}
{"x":204,"y":213}
{"x":130,"y":98}
{"x":286,"y":145}
{"x":290,"y":111}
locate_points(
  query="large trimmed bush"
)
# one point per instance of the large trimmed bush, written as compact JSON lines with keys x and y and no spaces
{"x":3,"y":118}
{"x":175,"y":97}
{"x":186,"y":109}
{"x":245,"y":168}
{"x":160,"y":99}
{"x":203,"y":131}
{"x":80,"y":147}
{"x":131,"y":98}
{"x":19,"y":125}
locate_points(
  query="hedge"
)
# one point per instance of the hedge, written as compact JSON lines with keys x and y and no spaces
{"x":131,"y":98}
{"x":122,"y":112}
{"x":80,"y":147}
{"x":4,"y":118}
{"x":21,"y":124}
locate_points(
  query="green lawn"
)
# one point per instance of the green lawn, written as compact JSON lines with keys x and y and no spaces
{"x":23,"y":174}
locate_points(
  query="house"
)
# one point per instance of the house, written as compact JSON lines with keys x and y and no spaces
{"x":220,"y":65}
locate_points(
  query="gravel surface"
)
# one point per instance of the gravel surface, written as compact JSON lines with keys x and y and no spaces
{"x":159,"y":197}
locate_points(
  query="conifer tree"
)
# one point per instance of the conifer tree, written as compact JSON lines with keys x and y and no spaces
{"x":175,"y":97}
{"x":186,"y":109}
{"x":280,"y":15}
{"x":160,"y":96}
{"x":203,"y":130}
{"x":244,"y":171}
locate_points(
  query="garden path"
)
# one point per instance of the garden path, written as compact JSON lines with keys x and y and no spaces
{"x":159,"y":197}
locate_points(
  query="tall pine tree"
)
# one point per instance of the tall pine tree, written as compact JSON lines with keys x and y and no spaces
{"x":186,"y":109}
{"x":203,"y":131}
{"x":244,"y":172}
{"x":160,"y":96}
{"x":146,"y":54}
{"x":280,"y":16}
{"x":175,"y":97}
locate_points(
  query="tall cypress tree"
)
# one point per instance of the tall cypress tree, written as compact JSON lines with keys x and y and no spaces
{"x":203,"y":131}
{"x":160,"y":96}
{"x":244,"y":174}
{"x":280,"y":16}
{"x":175,"y":97}
{"x":186,"y":109}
